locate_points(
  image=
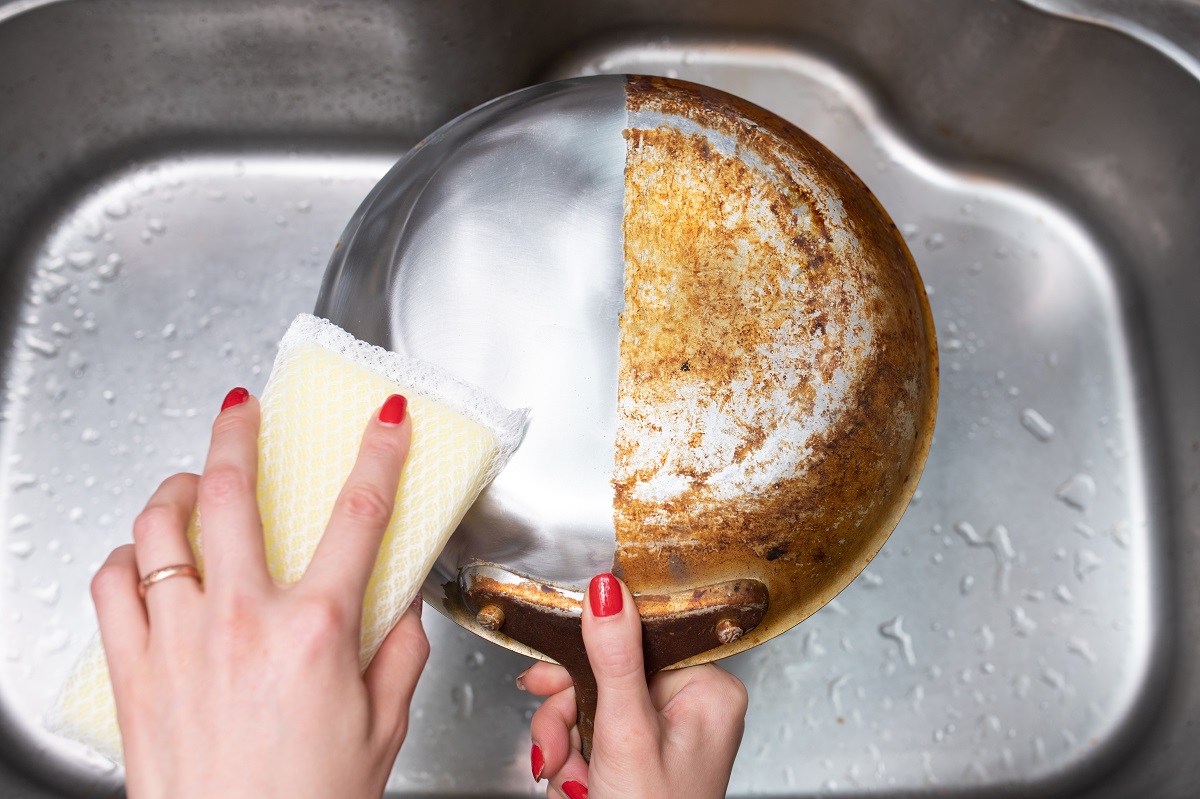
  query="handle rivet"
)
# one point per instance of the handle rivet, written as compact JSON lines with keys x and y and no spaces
{"x":491,"y":617}
{"x":728,"y":631}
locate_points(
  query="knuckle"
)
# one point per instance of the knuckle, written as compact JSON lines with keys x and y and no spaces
{"x":237,"y":630}
{"x":418,"y":647}
{"x":619,"y":660}
{"x":224,"y":484}
{"x":726,"y":698}
{"x":231,"y":425}
{"x":317,"y":623}
{"x":153,"y":521}
{"x":107,"y":582}
{"x":366,"y":503}
{"x":380,"y":448}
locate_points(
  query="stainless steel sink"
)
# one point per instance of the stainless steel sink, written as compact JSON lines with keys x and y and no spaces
{"x":175,"y":175}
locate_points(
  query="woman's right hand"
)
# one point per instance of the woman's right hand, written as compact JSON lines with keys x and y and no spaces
{"x":675,"y":737}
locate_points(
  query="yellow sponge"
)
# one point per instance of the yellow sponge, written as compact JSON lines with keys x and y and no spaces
{"x":321,"y":392}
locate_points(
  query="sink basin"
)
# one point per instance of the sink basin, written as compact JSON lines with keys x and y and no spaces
{"x":176,"y":175}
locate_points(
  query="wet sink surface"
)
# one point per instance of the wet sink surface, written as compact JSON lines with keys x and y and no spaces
{"x":178,"y":184}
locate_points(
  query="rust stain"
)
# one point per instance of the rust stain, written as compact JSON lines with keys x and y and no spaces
{"x":778,"y":372}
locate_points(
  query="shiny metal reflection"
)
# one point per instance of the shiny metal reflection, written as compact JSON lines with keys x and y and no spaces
{"x":494,"y":250}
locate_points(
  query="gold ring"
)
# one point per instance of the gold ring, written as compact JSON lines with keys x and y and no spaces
{"x":166,"y":573}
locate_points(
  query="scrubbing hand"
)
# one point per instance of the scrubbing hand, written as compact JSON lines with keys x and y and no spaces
{"x":241,"y":686}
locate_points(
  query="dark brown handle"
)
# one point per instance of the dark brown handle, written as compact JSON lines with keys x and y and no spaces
{"x":548,"y":618}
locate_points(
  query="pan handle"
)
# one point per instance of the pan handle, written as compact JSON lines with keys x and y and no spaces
{"x":547,"y":618}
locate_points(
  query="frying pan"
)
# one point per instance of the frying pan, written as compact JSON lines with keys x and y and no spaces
{"x":724,"y":341}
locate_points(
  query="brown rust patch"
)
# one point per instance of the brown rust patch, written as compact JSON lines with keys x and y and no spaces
{"x":768,"y":270}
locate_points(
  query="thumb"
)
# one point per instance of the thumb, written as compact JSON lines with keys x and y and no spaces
{"x":612,"y":636}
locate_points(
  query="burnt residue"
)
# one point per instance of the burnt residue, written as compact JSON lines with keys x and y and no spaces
{"x":688,"y":322}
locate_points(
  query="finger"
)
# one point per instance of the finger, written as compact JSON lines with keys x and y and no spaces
{"x":701,"y":703}
{"x":550,"y":729}
{"x":572,"y":780}
{"x":612,"y":635}
{"x":392,"y":676}
{"x":160,"y":540}
{"x":124,"y":628}
{"x":231,"y":525}
{"x":543,"y":679}
{"x":346,"y":554}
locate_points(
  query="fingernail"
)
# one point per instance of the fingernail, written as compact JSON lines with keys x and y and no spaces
{"x":537,"y":762}
{"x":235,"y":397}
{"x":575,"y":790}
{"x":521,"y":679}
{"x":418,"y":604}
{"x":393,"y":410}
{"x":604,"y":595}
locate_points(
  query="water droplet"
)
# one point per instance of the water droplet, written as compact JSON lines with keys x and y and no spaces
{"x":997,"y":540}
{"x":81,"y":259}
{"x":935,"y":241}
{"x":49,"y":593}
{"x":21,"y":480}
{"x":1022,"y":624}
{"x":20,"y":549}
{"x":76,"y":514}
{"x":169,"y":330}
{"x":871,"y":579}
{"x":1078,"y":491}
{"x":1037,"y":425}
{"x":216,"y":195}
{"x":117,"y":208}
{"x":916,"y":696}
{"x":1079,"y":646}
{"x":475,"y":660}
{"x":835,"y":693}
{"x":1064,"y":595}
{"x":812,"y":647}
{"x":966,"y":584}
{"x":1054,"y":679}
{"x":40,"y":345}
{"x":110,"y":268}
{"x":987,"y":638}
{"x":464,"y":699}
{"x":108,"y":395}
{"x":156,"y":225}
{"x":55,"y":641}
{"x":89,"y":435}
{"x":1021,"y":686}
{"x":304,"y":206}
{"x":910,"y":230}
{"x":894,"y":629}
{"x":19,"y":522}
{"x":1086,"y":562}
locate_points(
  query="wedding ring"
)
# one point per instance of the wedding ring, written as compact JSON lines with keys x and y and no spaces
{"x":166,"y":573}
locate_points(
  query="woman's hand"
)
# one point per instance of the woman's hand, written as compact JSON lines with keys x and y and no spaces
{"x":676,"y":737}
{"x":242,"y":687}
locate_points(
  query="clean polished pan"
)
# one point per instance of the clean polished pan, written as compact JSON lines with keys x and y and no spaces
{"x":724,"y":341}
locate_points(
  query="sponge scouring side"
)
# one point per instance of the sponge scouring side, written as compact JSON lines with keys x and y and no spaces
{"x":322,"y":390}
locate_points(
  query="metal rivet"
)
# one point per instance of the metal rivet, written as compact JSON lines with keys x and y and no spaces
{"x":491,"y":617}
{"x":728,"y":631}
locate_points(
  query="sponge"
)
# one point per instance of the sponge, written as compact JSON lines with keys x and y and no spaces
{"x":322,"y":390}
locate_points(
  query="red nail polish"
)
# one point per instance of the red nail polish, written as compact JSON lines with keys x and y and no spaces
{"x":575,"y":790}
{"x":537,"y":761}
{"x":604,"y":595}
{"x":393,"y":410}
{"x":235,"y":397}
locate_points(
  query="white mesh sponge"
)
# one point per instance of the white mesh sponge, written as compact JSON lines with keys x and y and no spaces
{"x":324,"y":386}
